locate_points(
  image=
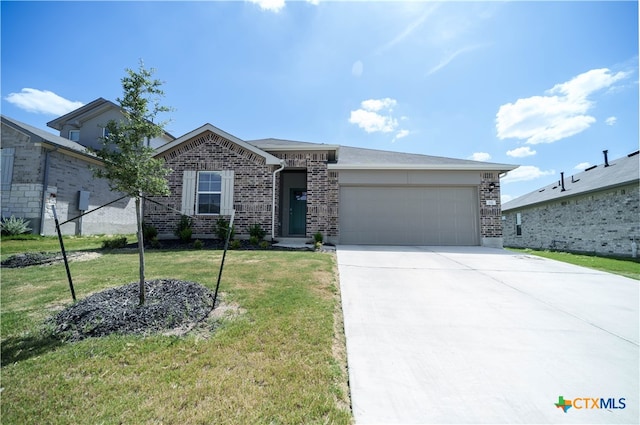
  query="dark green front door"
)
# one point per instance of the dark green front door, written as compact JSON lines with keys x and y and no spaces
{"x":297,"y":211}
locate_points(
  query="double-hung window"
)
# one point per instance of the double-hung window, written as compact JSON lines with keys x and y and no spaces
{"x":209,"y":192}
{"x":74,"y":135}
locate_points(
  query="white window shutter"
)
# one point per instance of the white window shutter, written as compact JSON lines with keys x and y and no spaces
{"x":226,"y":197}
{"x":188,"y":192}
{"x":6,"y":167}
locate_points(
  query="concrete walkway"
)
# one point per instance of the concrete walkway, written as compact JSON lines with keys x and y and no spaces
{"x":479,"y":335}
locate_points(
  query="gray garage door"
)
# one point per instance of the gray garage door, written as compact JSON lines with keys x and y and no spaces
{"x":409,"y":215}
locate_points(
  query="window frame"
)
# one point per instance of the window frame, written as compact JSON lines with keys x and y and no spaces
{"x":208,"y":192}
{"x":74,"y":132}
{"x":518,"y":224}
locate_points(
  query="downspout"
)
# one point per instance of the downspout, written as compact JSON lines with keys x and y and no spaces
{"x":273,"y":202}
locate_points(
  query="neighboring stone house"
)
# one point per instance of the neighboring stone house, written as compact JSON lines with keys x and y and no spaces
{"x":350,"y":195}
{"x":595,"y":211}
{"x":40,"y":169}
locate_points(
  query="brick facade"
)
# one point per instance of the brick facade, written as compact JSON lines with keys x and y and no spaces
{"x":252,"y":190}
{"x":603,"y":223}
{"x":322,"y":191}
{"x":490,"y":209}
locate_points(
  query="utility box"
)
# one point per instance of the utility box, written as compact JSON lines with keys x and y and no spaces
{"x":83,"y":200}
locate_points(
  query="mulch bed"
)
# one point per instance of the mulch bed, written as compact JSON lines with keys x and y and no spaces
{"x":170,"y":305}
{"x":38,"y":258}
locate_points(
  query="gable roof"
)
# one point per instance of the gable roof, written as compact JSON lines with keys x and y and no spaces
{"x":42,"y":136}
{"x":352,"y":158}
{"x":86,"y":112}
{"x":269,"y":159}
{"x":620,"y":172}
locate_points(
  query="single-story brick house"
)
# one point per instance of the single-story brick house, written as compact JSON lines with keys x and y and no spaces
{"x":350,"y":195}
{"x":40,"y":169}
{"x":595,"y":211}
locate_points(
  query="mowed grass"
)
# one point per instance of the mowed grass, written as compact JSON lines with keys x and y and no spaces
{"x":627,"y":267}
{"x":280,"y":362}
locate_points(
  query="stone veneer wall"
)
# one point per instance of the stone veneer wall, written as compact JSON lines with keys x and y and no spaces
{"x":252,"y":189}
{"x":490,"y":215}
{"x":322,"y":191}
{"x":603,"y":223}
{"x":67,"y":175}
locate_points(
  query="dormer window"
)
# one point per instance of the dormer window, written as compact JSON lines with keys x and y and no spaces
{"x":74,"y":135}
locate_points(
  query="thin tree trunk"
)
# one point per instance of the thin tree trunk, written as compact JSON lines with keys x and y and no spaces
{"x":140,"y":248}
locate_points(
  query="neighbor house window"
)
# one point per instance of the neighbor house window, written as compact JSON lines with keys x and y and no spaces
{"x":209,"y":192}
{"x":6,"y":168}
{"x":74,"y":135}
{"x":518,"y":224}
{"x":105,"y":132}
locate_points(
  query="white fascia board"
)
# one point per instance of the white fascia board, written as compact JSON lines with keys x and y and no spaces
{"x":270,"y":159}
{"x":452,"y":167}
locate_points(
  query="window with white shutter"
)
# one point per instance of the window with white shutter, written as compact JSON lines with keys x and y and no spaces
{"x":207,"y":192}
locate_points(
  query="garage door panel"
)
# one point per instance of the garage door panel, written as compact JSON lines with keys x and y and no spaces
{"x":409,"y":215}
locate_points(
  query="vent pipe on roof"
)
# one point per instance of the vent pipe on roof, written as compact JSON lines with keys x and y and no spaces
{"x":562,"y":181}
{"x":606,"y":158}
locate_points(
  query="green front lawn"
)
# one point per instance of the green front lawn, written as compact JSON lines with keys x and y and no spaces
{"x":625,"y":267}
{"x":279,"y":362}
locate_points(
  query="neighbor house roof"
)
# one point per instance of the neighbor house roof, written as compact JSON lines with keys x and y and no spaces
{"x":86,"y":112}
{"x":351,"y":158}
{"x":41,"y":136}
{"x":619,"y":172}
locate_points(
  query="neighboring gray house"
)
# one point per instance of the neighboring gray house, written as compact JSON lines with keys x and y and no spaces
{"x":40,"y":169}
{"x":350,"y":195}
{"x":594,"y":211}
{"x":86,"y":124}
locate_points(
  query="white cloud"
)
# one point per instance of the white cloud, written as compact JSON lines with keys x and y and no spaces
{"x":372,"y":122}
{"x":42,"y":102}
{"x":271,"y":5}
{"x":582,"y":166}
{"x":525,"y":173}
{"x":521,"y":152}
{"x":611,"y":120}
{"x":314,"y":2}
{"x":480,"y":156}
{"x":561,"y":113}
{"x":357,"y":68}
{"x":400,"y":134}
{"x":379,"y":104}
{"x":375,"y":116}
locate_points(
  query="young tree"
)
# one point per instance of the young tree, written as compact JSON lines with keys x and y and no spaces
{"x":129,"y":164}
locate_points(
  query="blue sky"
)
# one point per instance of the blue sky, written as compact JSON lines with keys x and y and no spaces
{"x":546,"y":85}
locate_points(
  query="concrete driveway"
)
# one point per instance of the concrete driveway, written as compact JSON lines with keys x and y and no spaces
{"x":478,"y":335}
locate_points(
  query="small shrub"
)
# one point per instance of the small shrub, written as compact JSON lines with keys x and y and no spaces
{"x":317,"y":246}
{"x":253,"y":240}
{"x":222,"y":227}
{"x":115,"y":243}
{"x":14,"y":226}
{"x":155,"y":243}
{"x":264,"y":244}
{"x":235,"y":244}
{"x":149,"y":232}
{"x":257,"y":231}
{"x":318,"y":237}
{"x":184,"y":228}
{"x":197,"y":244}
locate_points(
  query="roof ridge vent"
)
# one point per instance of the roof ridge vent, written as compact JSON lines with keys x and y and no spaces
{"x":633,"y":154}
{"x":590,"y":168}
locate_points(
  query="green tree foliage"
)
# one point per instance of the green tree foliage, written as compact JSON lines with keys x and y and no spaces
{"x":129,"y":162}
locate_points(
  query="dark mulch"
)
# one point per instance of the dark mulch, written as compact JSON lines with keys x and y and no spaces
{"x":170,"y":305}
{"x":35,"y":258}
